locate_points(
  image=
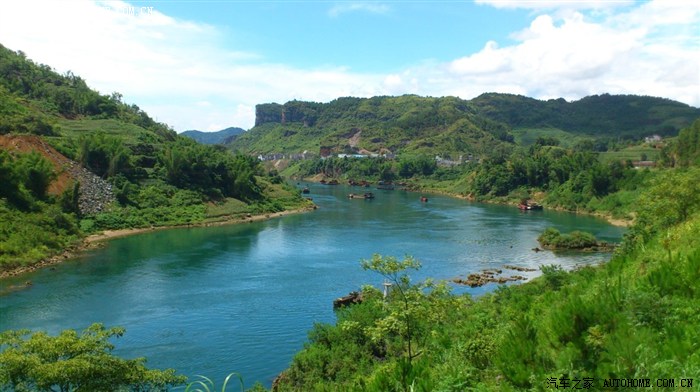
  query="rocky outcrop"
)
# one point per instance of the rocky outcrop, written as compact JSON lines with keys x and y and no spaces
{"x":516,"y":268}
{"x":488,"y":276}
{"x":95,"y":193}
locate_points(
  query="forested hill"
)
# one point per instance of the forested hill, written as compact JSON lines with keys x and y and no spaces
{"x":220,"y":137}
{"x":379,"y":125}
{"x":451,"y":126}
{"x":74,"y":162}
{"x":597,"y":115}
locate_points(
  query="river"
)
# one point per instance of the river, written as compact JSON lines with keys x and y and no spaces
{"x":241,"y":298}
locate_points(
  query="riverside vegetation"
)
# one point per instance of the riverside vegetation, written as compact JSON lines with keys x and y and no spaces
{"x":576,"y":156}
{"x":634,"y":317}
{"x":139,"y":172}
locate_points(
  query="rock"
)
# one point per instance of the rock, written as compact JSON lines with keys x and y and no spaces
{"x":353,"y":298}
{"x":521,"y":269}
{"x":489,"y":276}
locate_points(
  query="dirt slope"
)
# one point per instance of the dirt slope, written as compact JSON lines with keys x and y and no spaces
{"x":95,"y":193}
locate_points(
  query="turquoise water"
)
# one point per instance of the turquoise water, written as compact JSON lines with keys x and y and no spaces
{"x":242,"y":297}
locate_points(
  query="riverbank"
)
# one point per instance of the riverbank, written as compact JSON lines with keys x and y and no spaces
{"x":418,"y":188}
{"x":94,"y":241}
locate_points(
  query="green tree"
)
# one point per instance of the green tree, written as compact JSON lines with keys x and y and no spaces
{"x":36,"y":173}
{"x":672,"y":199}
{"x":408,"y":296}
{"x":75,"y":362}
{"x":688,"y":145}
{"x":104,"y":155}
{"x":69,"y":199}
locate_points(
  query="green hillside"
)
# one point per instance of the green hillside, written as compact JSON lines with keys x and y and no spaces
{"x":75,"y":162}
{"x":451,"y":127}
{"x":529,"y":136}
{"x":604,"y":115}
{"x":446,"y":126}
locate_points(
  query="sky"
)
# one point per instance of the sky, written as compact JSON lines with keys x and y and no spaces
{"x":206,"y":64}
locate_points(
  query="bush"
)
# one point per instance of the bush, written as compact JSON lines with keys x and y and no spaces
{"x":551,"y":238}
{"x":576,"y":240}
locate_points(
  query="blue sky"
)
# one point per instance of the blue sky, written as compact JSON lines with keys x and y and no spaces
{"x":206,"y":64}
{"x":364,"y":37}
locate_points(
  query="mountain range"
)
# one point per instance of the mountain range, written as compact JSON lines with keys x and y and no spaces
{"x":451,"y":126}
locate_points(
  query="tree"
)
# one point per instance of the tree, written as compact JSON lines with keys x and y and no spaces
{"x":36,"y":172}
{"x":670,"y":200}
{"x":104,"y":155}
{"x":393,"y":270}
{"x":75,"y":362}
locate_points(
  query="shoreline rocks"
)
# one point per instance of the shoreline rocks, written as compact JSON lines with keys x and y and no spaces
{"x":491,"y":275}
{"x":354,"y":297}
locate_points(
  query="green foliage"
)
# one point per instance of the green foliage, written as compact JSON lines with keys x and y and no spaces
{"x":552,"y":238}
{"x":15,"y":116}
{"x":625,"y":115}
{"x":529,"y":136}
{"x":685,"y":150}
{"x":634,"y":152}
{"x":68,"y":200}
{"x":33,"y":227}
{"x":104,"y":155}
{"x":158,"y":204}
{"x":400,"y":320}
{"x":554,"y":276}
{"x":381,"y":343}
{"x":419,"y":165}
{"x":671,"y":199}
{"x":634,"y":317}
{"x":29,"y":236}
{"x":25,"y":178}
{"x":67,"y":96}
{"x":187,"y":164}
{"x":75,"y":362}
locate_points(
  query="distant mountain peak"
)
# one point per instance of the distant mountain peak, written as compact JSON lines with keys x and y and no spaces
{"x":223,"y":136}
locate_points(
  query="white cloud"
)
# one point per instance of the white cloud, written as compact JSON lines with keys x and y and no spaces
{"x":343,"y":8}
{"x":637,"y":52}
{"x":555,"y":4}
{"x":180,"y":72}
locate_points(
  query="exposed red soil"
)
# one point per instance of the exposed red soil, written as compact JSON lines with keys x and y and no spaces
{"x":29,"y":143}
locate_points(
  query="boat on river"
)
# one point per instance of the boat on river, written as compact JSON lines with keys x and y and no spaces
{"x":527,"y":205}
{"x":366,"y":195}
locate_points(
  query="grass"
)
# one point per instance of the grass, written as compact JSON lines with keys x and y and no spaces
{"x":130,"y":132}
{"x":228,"y":207}
{"x":633,"y":153}
{"x":72,"y":130}
{"x":26,"y":237}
